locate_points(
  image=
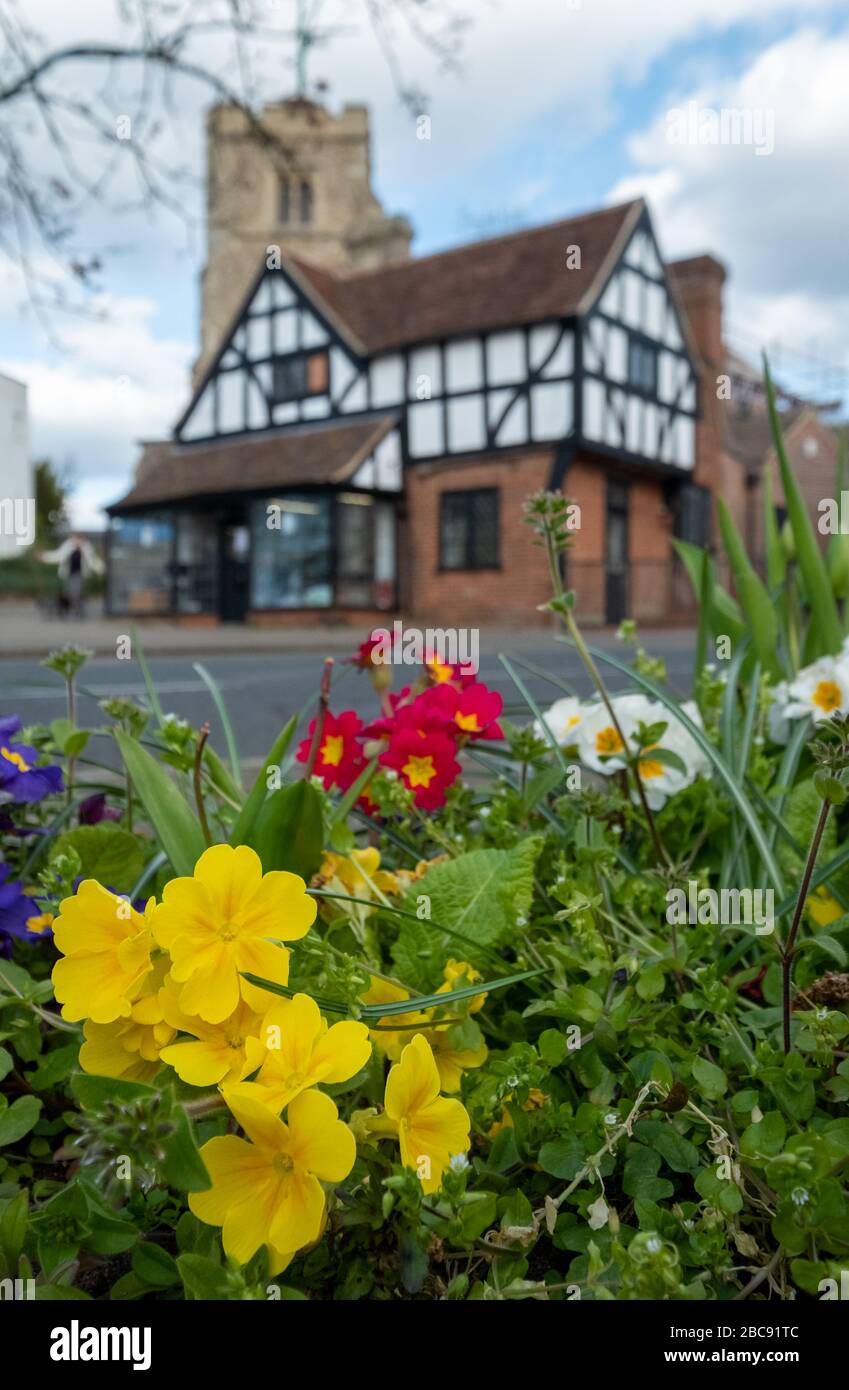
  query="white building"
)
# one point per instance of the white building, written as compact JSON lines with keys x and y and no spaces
{"x":17,"y":488}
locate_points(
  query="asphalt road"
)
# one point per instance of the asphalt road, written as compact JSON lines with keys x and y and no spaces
{"x":262,"y":690}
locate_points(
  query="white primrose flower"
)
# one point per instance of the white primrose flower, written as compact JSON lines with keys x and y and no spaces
{"x":562,"y":719}
{"x":601,"y":747}
{"x":821,"y":689}
{"x":777,"y":722}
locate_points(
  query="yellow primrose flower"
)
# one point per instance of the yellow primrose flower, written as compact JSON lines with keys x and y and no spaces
{"x":220,"y":1050}
{"x":458,"y":974}
{"x":218,"y":923}
{"x":451,"y":1062}
{"x":431,"y":1129}
{"x":266,"y":1189}
{"x":297,"y":1050}
{"x":106,"y":947}
{"x":130,"y":1047}
{"x":359,"y":873}
{"x":384,"y":992}
{"x":823,"y":907}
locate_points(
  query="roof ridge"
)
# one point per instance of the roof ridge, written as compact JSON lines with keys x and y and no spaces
{"x":345,"y":275}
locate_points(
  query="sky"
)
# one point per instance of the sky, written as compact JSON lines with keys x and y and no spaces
{"x":558,"y":106}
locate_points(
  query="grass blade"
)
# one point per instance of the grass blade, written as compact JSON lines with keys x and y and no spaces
{"x":229,"y":736}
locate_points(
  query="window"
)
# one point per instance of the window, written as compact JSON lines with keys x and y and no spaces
{"x":140,"y":563}
{"x":306,"y":202}
{"x":468,"y":530}
{"x":292,"y":560}
{"x":285,"y":206}
{"x":692,"y":513}
{"x":642,"y":366}
{"x":295,"y":377}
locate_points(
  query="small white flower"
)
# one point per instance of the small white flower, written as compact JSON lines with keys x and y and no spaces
{"x":562,"y":719}
{"x":611,"y":1118}
{"x":800,"y":1196}
{"x":654,"y":1245}
{"x":458,"y":1163}
{"x":821,"y":689}
{"x":597,"y":1214}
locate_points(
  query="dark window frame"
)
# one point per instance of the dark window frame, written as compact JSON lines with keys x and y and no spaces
{"x":300,"y":390}
{"x":465,"y":498}
{"x":284,"y":204}
{"x":641,"y":352}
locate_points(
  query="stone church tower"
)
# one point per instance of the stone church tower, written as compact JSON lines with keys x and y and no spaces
{"x":308,"y":190}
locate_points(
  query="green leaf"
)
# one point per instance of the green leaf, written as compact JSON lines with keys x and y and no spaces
{"x":230,"y":738}
{"x":203,"y":1279}
{"x":13,"y":1228}
{"x":7,"y":1062}
{"x":754,"y":599}
{"x":562,"y":1158}
{"x":553,"y":1047}
{"x":289,"y":830}
{"x":725,"y":618}
{"x":169,"y":814}
{"x":112,"y":856}
{"x":712,"y":1080}
{"x":259,"y":790}
{"x":183,"y":1166}
{"x":91,"y":1092}
{"x":825,"y":622}
{"x":482,"y":894}
{"x":54,"y":1067}
{"x":155,"y":1266}
{"x":19,"y":1119}
{"x":766,"y":1138}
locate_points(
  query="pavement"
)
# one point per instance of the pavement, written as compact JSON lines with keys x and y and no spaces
{"x":265,"y":675}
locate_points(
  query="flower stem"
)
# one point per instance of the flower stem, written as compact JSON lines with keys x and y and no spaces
{"x":790,"y":944}
{"x":595,"y":676}
{"x":199,"y":801}
{"x":321,"y":715}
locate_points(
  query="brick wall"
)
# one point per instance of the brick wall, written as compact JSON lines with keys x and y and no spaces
{"x":455,"y":598}
{"x":512,"y":593}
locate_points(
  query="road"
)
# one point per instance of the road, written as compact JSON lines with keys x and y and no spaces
{"x":261,"y":690}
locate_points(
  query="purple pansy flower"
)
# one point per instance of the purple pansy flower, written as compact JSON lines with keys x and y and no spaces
{"x":9,"y":724}
{"x":20,"y":779}
{"x":16,"y":909}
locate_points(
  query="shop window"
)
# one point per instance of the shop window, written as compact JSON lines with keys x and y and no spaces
{"x":292,"y":552}
{"x":140,"y":564}
{"x":306,"y":202}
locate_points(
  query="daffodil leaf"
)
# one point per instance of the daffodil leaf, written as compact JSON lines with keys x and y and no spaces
{"x":169,"y":814}
{"x":258,"y":792}
{"x":430,"y":1001}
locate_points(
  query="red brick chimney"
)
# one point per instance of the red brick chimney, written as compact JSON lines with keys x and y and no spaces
{"x":697,"y":284}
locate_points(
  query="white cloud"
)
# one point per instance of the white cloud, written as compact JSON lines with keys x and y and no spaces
{"x":778,"y":220}
{"x":115,"y":384}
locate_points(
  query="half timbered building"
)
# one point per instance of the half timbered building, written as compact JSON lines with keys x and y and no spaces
{"x":363,"y":439}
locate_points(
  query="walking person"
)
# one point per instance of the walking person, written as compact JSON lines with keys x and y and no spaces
{"x":76,"y":560}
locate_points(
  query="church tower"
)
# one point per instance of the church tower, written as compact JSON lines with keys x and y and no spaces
{"x":307,"y":190}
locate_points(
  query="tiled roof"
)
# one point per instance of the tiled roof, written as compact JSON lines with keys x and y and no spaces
{"x":520,"y":278}
{"x":313,"y":454}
